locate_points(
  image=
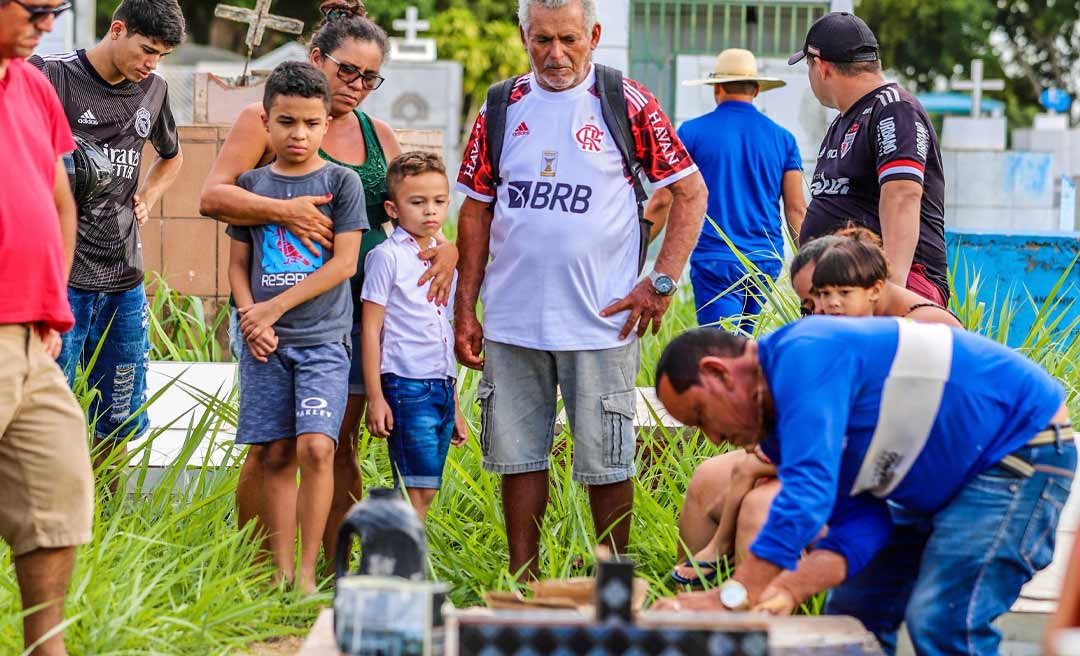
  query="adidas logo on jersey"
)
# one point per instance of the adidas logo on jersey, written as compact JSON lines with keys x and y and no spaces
{"x":521,"y":130}
{"x":88,"y":118}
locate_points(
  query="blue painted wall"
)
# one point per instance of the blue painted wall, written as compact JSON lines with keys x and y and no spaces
{"x":1013,"y":265}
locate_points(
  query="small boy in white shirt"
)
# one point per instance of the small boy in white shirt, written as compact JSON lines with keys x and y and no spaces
{"x":408,"y":344}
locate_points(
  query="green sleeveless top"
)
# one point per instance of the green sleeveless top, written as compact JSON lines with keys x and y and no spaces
{"x":373,"y":176}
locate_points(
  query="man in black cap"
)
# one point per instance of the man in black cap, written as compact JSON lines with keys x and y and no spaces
{"x":879,"y":165}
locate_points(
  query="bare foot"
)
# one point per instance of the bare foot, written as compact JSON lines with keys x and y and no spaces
{"x":306,"y":583}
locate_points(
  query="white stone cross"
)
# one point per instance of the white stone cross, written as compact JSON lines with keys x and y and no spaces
{"x":412,"y":25}
{"x":976,"y":85}
{"x":412,"y":48}
{"x":258,"y":20}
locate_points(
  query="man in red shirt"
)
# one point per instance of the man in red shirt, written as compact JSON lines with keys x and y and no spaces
{"x":45,"y":479}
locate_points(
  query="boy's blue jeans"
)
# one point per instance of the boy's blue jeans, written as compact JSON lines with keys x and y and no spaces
{"x":115,"y":326}
{"x":950,"y":574}
{"x":423,"y":412}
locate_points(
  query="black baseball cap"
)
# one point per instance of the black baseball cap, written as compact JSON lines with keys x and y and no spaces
{"x":838,"y":37}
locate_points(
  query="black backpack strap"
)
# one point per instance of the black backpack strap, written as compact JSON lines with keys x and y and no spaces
{"x":609,"y":86}
{"x":498,"y":99}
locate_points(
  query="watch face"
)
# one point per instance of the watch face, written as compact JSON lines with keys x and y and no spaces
{"x":732,"y":595}
{"x":664,"y":285}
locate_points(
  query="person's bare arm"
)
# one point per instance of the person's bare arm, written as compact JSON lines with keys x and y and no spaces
{"x":819,"y":570}
{"x":687,"y":214}
{"x":743,"y":478}
{"x":68,"y":212}
{"x":898,"y":211}
{"x":380,"y":419}
{"x":1067,"y":614}
{"x":791,"y":190}
{"x":474,"y":233}
{"x":341,"y":267}
{"x":244,"y":149}
{"x":159,"y":178}
{"x":657,"y":212}
{"x":264,"y":343}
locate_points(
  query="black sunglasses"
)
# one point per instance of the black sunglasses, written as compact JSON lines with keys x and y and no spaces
{"x":38,"y":14}
{"x":335,"y":11}
{"x":348,"y":74}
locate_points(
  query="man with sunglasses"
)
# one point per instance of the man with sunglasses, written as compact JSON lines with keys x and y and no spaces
{"x":879,"y":164}
{"x":45,"y":479}
{"x":113,"y":100}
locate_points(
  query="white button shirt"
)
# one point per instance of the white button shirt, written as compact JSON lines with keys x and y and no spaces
{"x":417,"y":340}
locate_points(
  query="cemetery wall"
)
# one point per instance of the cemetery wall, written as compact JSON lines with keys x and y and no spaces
{"x":190,"y":251}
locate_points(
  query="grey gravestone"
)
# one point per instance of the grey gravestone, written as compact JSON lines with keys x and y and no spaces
{"x":421,"y":96}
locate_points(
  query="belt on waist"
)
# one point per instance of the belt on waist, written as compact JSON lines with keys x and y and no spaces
{"x":1052,"y":434}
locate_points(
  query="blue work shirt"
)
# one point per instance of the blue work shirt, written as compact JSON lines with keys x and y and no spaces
{"x":743,"y":156}
{"x":828,"y":376}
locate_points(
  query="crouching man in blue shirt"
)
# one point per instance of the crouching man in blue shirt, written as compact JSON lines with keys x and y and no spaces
{"x":939,"y":462}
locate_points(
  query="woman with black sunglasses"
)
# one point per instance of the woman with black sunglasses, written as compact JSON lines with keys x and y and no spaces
{"x":349,"y":48}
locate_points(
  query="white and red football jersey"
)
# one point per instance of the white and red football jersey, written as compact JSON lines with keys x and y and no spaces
{"x":565,"y":235}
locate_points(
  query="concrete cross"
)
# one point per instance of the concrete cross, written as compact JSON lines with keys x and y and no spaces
{"x":258,"y":20}
{"x":976,"y":85}
{"x":412,"y":25}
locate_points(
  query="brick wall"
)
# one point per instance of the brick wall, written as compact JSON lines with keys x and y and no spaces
{"x":190,"y":251}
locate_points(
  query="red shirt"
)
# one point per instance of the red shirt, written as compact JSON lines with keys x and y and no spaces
{"x":34,"y":133}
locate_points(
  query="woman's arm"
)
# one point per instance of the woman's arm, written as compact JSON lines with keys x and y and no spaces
{"x":244,"y":149}
{"x":340,"y":268}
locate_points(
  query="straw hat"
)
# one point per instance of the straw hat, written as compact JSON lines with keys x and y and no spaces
{"x":737,"y":65}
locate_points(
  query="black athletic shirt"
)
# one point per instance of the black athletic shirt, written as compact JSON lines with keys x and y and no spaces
{"x":884,"y":136}
{"x":120,"y":118}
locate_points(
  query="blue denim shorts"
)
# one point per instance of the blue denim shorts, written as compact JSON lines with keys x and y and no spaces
{"x":301,"y":389}
{"x":112,"y":325}
{"x":423,"y":412}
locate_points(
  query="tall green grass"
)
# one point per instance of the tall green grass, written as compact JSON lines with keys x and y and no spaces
{"x":167,"y":572}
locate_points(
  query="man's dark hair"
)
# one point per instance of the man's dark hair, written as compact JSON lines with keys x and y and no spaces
{"x":337,"y":30}
{"x":300,"y":79}
{"x":679,"y":361}
{"x":742,"y":88}
{"x":161,"y":20}
{"x":410,"y":165}
{"x":851,"y":69}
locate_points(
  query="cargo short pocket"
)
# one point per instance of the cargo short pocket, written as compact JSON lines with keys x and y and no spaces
{"x":618,"y":428}
{"x":1040,"y":536}
{"x":485,"y":396}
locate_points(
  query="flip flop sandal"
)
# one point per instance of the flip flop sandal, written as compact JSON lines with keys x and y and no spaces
{"x":708,"y":577}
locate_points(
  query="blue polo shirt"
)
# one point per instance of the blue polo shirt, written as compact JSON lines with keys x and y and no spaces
{"x":828,"y":377}
{"x":743,"y":156}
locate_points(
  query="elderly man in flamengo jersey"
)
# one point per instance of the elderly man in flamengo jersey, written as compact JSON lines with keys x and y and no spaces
{"x":938,"y":460}
{"x":45,"y":478}
{"x":879,"y":164}
{"x":113,"y":99}
{"x":559,"y":294}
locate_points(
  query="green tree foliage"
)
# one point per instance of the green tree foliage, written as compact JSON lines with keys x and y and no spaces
{"x":1031,"y":43}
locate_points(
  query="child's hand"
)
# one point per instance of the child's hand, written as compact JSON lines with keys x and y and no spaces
{"x":461,"y":431}
{"x":256,"y":318}
{"x":263,"y":344}
{"x":380,"y":420}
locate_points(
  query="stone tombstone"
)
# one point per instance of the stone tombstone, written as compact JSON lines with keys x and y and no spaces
{"x":970,"y":133}
{"x":421,"y":96}
{"x":793,"y":106}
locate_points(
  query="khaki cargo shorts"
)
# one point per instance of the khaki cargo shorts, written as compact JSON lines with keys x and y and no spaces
{"x":46,"y":481}
{"x":518,"y":402}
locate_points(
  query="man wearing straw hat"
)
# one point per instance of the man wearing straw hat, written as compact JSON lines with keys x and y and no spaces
{"x":748,"y":162}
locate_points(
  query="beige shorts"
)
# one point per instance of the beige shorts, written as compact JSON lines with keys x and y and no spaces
{"x":46,"y":481}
